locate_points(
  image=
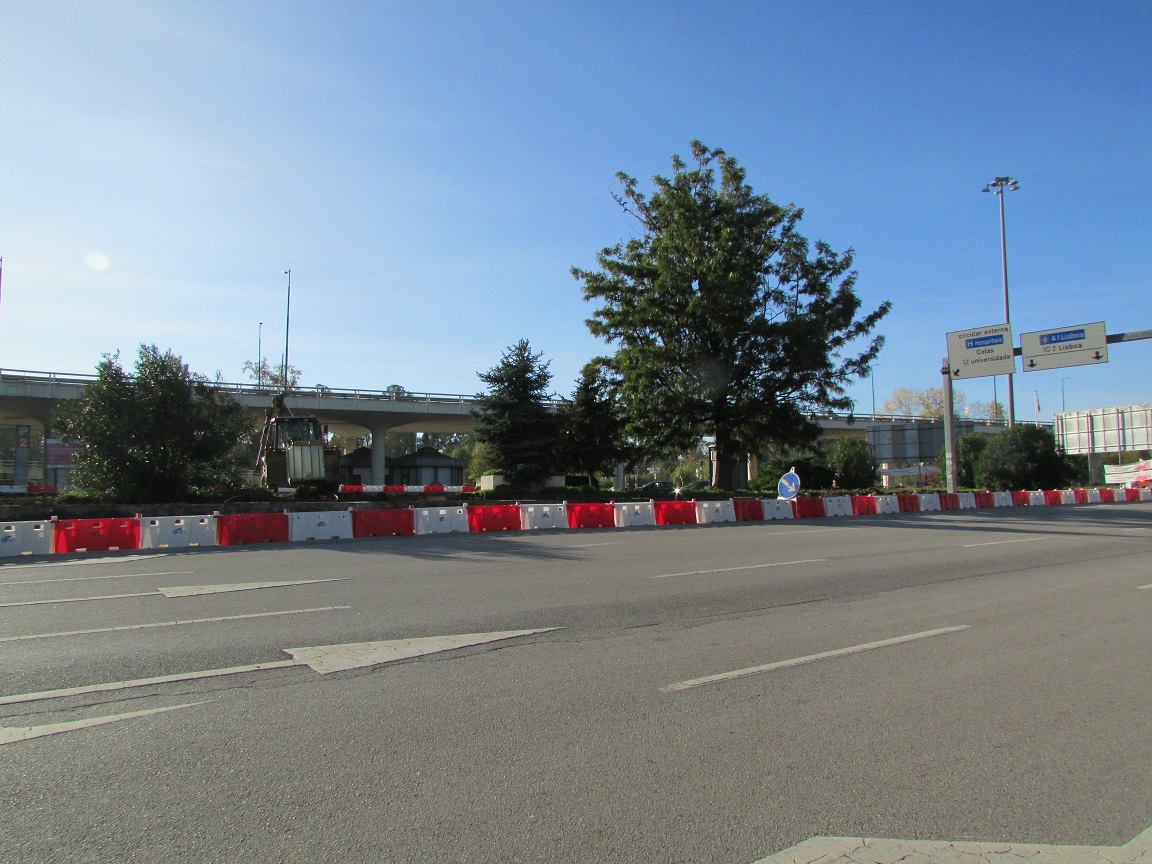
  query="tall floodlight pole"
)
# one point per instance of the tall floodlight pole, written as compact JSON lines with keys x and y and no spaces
{"x":872,"y":378}
{"x":287,"y":321}
{"x":1062,"y":408}
{"x":999,"y":186}
{"x":260,"y":356}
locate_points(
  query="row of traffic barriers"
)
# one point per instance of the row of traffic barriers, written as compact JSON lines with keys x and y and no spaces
{"x":54,"y":535}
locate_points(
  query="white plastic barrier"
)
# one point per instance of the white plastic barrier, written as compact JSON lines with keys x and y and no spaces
{"x":26,"y":538}
{"x":543,"y":516}
{"x":1036,"y":499}
{"x":774,"y":508}
{"x":708,"y":512}
{"x":441,"y":520}
{"x":838,"y":505}
{"x":635,"y":514}
{"x":1146,"y":494}
{"x":967,"y":500}
{"x":1093,"y":496}
{"x":929,"y":501}
{"x":1067,"y":496}
{"x":887,"y":504}
{"x":1002,"y":499}
{"x":177,"y":532}
{"x":324,"y":525}
{"x":411,"y":488}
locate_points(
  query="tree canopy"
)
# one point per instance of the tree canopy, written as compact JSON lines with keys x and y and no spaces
{"x":514,"y":419}
{"x":726,"y":321}
{"x":1023,"y":457}
{"x":155,"y":435}
{"x":591,"y":426}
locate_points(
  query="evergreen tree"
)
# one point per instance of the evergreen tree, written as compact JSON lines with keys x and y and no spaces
{"x":726,"y":321}
{"x":851,"y":462}
{"x":514,"y":418}
{"x":591,"y":425}
{"x":156,"y":435}
{"x":1023,"y":457}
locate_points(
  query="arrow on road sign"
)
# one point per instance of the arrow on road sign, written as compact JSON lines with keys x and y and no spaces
{"x":855,"y":850}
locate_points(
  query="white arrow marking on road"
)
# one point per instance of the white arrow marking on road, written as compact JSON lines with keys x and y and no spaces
{"x":93,"y":578}
{"x":862,"y":850}
{"x":79,"y":599}
{"x":324,"y":659}
{"x":337,"y":658}
{"x":196,"y":590}
{"x":14,"y":734}
{"x":123,"y":559}
{"x":811,"y":658}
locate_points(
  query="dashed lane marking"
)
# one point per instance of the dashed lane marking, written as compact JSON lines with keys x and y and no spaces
{"x":1002,"y":542}
{"x":79,"y":562}
{"x":178,"y":591}
{"x":90,"y":578}
{"x":320,"y":658}
{"x":170,"y":623}
{"x":862,"y":850}
{"x":1144,"y":587}
{"x":197,"y":590}
{"x":733,"y":569}
{"x":811,"y":658}
{"x":15,"y":734}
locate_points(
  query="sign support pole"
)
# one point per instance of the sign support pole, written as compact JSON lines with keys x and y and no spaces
{"x":949,"y":426}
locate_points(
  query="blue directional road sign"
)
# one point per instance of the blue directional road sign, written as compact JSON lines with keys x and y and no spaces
{"x":788,"y":486}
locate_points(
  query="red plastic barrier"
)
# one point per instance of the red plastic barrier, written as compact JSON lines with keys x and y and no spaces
{"x":352,"y":488}
{"x":984,"y":499}
{"x":1053,"y":496}
{"x":1020,"y":499}
{"x":383,"y":523}
{"x":434,"y":487}
{"x":748,"y":509}
{"x":808,"y":508}
{"x":469,"y":488}
{"x":863,"y":505}
{"x":908,"y":503}
{"x":1081,"y":495}
{"x":394,"y":488}
{"x":591,"y":515}
{"x":949,"y":501}
{"x":1132,"y":494}
{"x":1107,"y":496}
{"x":494,"y":517}
{"x":42,"y":490}
{"x":238,"y":529}
{"x":675,"y":512}
{"x":97,"y":535}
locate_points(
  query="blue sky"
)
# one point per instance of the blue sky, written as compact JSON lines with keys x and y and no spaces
{"x":431,"y":171}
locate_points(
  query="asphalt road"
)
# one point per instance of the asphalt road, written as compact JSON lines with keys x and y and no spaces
{"x":1027,"y":719}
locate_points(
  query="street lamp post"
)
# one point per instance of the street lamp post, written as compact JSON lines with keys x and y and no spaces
{"x":260,"y":356}
{"x":999,"y":186}
{"x":872,"y":378}
{"x":287,"y":320}
{"x":1062,"y":380}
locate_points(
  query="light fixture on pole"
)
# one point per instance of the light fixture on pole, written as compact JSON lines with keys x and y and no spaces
{"x":260,"y":356}
{"x":287,"y":320}
{"x":1062,"y":380}
{"x":998,"y":187}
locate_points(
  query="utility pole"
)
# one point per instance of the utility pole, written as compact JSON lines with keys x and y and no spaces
{"x":998,"y":187}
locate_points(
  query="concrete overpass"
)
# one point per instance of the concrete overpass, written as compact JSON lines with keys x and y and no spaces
{"x":29,"y":397}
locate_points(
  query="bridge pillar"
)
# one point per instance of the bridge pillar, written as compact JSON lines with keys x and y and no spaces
{"x":379,"y":463}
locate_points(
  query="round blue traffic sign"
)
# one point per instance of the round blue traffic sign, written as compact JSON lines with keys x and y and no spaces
{"x":788,"y":486}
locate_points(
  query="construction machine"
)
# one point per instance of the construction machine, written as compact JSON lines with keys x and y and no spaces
{"x":293,"y":452}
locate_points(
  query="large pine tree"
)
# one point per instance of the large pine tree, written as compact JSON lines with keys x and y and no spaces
{"x":725,"y":320}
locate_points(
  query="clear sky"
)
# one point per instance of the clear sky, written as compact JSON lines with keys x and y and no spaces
{"x":431,"y":171}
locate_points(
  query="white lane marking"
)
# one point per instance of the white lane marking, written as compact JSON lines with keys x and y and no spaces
{"x":179,"y":591}
{"x":79,"y":599}
{"x":1144,"y":587}
{"x":90,"y":578}
{"x":322,"y":659}
{"x":731,"y":569}
{"x":586,"y":545}
{"x":170,"y":623}
{"x":126,"y":559}
{"x":811,"y":531}
{"x":1002,"y":542}
{"x":811,"y":658}
{"x":337,"y":658}
{"x":14,"y":734}
{"x":849,"y":850}
{"x":142,"y":682}
{"x":196,"y":590}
